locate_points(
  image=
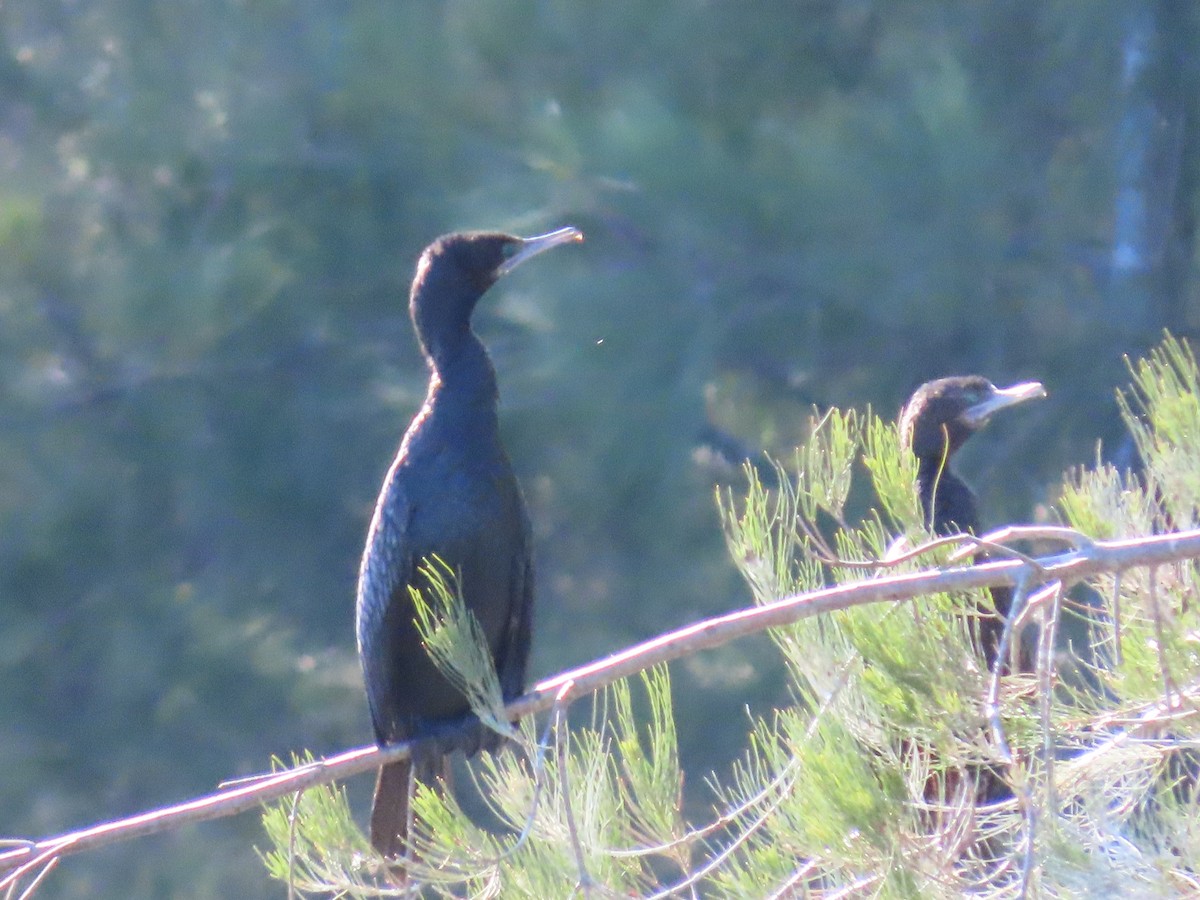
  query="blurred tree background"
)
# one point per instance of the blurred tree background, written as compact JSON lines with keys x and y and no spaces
{"x":209,"y":214}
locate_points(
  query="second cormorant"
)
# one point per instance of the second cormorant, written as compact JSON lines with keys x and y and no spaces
{"x":936,"y":421}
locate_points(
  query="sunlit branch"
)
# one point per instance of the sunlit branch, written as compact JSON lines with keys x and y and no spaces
{"x":1082,"y":562}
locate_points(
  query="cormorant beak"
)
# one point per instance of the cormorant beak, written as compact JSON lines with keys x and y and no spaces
{"x":1002,"y":398}
{"x":531,"y":247}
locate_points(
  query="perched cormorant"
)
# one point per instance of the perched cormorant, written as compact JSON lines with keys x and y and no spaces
{"x":935,"y":423}
{"x":450,"y":492}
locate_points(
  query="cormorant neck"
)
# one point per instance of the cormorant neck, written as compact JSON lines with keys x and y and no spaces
{"x":461,"y":376}
{"x":947,"y":502}
{"x":930,"y":470}
{"x":440,"y":306}
{"x":452,"y":348}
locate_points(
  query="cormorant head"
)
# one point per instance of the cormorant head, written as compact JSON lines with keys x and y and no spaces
{"x":942,"y":414}
{"x":457,"y":269}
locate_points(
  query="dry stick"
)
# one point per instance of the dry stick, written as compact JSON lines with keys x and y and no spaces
{"x":46,"y":870}
{"x":991,"y":704}
{"x":1152,"y":717}
{"x":1048,"y":674}
{"x":1169,"y":688}
{"x":1030,"y":855}
{"x":561,"y":738}
{"x":1045,"y":666}
{"x":45,"y":860}
{"x":797,"y":879}
{"x":968,"y":544}
{"x":1103,"y":556}
{"x":1148,"y":723}
{"x":537,"y":755}
{"x":891,"y":560}
{"x":291,"y":894}
{"x":410,"y":820}
{"x":857,"y":889}
{"x":1057,"y":533}
{"x":1119,"y":656}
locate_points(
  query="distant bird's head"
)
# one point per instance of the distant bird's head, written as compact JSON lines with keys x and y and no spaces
{"x":942,"y":414}
{"x":457,"y":269}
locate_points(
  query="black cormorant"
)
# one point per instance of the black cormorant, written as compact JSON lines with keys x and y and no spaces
{"x":935,"y":423}
{"x":450,"y":492}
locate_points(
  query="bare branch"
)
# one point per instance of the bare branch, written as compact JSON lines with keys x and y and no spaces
{"x":1079,"y":563}
{"x":46,"y":870}
{"x":992,"y":704}
{"x":1056,"y":533}
{"x":561,"y":739}
{"x":1118,"y":656}
{"x":291,"y":883}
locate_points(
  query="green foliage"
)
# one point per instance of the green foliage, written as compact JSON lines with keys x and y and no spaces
{"x":867,"y":782}
{"x":823,"y":466}
{"x":1153,"y":643}
{"x":615,"y":785}
{"x":899,"y":692}
{"x":1161,"y":413}
{"x":893,"y":474}
{"x":303,"y":829}
{"x":453,"y":639}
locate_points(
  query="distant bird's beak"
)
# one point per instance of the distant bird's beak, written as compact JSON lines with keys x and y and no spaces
{"x":531,"y":247}
{"x":1003,"y":398}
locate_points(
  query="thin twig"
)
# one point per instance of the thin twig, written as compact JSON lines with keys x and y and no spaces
{"x":1103,"y":556}
{"x":1119,"y":657}
{"x":994,"y":541}
{"x":719,"y":858}
{"x":1046,"y":674}
{"x":13,"y":878}
{"x":892,"y":559}
{"x":410,"y":823}
{"x":856,"y":889}
{"x":992,"y":704}
{"x":1049,"y":593}
{"x":46,"y":870}
{"x":1160,"y":638}
{"x":537,"y":754}
{"x":1150,"y":719}
{"x":777,"y":785}
{"x":538,"y":762}
{"x":1055,"y":533}
{"x":1003,"y":551}
{"x":561,"y":739}
{"x":1030,"y":855}
{"x":291,"y":881}
{"x":820,"y":549}
{"x":800,"y":876}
